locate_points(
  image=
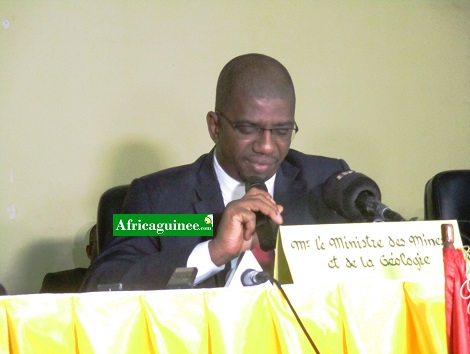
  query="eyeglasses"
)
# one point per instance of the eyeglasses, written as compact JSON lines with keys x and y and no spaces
{"x":248,"y":131}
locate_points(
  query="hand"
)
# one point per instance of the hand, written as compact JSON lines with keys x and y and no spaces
{"x":236,"y":232}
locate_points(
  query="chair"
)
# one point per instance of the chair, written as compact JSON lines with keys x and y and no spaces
{"x":110,"y":203}
{"x":447,"y":197}
{"x":2,"y":290}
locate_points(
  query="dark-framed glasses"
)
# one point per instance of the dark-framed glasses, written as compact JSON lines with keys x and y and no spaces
{"x":248,"y":131}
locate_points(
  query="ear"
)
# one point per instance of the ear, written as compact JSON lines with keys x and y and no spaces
{"x":213,"y":126}
{"x":88,"y":251}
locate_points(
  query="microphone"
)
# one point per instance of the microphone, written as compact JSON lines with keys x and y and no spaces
{"x":266,"y":229}
{"x":356,"y":197}
{"x":251,"y":277}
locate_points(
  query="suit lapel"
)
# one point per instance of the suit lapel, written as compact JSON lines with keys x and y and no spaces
{"x":290,"y":192}
{"x":208,"y":190}
{"x":210,"y":202}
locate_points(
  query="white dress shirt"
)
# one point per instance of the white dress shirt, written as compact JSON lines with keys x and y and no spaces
{"x":231,"y":190}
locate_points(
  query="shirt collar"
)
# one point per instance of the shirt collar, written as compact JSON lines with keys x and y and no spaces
{"x":231,"y":188}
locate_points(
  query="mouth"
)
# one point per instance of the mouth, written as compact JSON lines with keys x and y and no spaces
{"x":261,"y":165}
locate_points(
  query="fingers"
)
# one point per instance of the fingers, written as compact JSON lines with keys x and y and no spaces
{"x":233,"y":234}
{"x":236,"y":232}
{"x":257,"y":200}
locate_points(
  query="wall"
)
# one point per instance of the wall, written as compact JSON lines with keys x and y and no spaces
{"x":95,"y":93}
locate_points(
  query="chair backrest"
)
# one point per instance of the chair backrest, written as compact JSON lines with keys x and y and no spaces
{"x":110,"y":203}
{"x":447,"y":197}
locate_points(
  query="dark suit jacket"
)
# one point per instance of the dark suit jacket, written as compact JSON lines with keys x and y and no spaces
{"x":66,"y":281}
{"x":148,"y":262}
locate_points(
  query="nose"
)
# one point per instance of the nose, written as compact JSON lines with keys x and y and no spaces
{"x":264,"y":143}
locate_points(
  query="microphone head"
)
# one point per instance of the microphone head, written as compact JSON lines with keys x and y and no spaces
{"x":255,"y":182}
{"x":252,"y":277}
{"x":341,"y":190}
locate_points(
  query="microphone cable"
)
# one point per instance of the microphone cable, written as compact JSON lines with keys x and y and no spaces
{"x":295,"y":313}
{"x":251,"y":277}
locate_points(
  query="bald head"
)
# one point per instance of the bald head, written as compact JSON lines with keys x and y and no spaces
{"x":254,"y":75}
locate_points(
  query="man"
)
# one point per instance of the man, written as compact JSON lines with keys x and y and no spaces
{"x":2,"y":290}
{"x":69,"y":281}
{"x":252,"y":128}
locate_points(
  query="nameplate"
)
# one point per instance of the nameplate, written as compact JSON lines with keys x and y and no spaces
{"x":408,"y":251}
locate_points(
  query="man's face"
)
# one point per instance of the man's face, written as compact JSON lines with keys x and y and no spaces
{"x":258,"y":156}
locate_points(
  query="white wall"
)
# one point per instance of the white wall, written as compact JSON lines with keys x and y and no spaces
{"x":95,"y":93}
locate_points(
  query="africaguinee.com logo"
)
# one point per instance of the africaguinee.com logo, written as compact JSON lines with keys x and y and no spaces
{"x":163,"y":225}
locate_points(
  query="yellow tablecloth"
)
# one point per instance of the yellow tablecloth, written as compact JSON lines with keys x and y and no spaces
{"x":385,"y":317}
